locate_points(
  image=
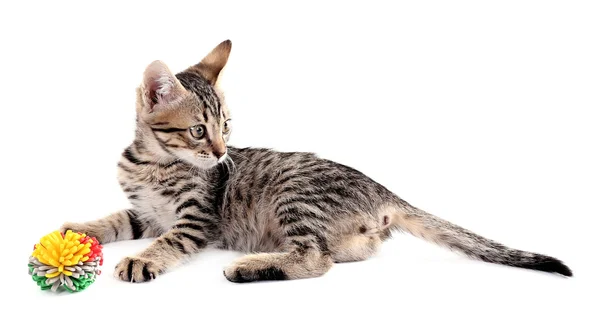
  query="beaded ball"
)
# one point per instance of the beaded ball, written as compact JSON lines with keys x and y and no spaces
{"x":69,"y":261}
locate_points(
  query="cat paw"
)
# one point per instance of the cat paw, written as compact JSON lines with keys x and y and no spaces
{"x":136,"y":270}
{"x":83,"y":228}
{"x":75,"y":227}
{"x":251,"y":268}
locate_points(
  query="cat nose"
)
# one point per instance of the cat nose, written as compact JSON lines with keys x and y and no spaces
{"x":219,"y":153}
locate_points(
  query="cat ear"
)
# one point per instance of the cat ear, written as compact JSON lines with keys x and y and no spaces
{"x":210,"y":67}
{"x":160,"y":87}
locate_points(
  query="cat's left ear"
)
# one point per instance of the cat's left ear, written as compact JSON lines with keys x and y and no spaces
{"x":211,"y":66}
{"x":160,"y":87}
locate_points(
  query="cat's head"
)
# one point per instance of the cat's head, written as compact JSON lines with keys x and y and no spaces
{"x":184,"y":115}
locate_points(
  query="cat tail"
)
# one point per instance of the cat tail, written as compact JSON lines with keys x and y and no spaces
{"x":433,"y":229}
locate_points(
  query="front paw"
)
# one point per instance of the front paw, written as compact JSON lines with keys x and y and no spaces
{"x":136,"y":270}
{"x":78,"y":227}
{"x":75,"y":227}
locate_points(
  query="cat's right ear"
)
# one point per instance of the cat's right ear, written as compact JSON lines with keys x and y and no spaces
{"x":213,"y":63}
{"x":160,"y":88}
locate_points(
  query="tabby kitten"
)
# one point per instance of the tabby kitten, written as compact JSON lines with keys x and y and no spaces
{"x":298,"y":214}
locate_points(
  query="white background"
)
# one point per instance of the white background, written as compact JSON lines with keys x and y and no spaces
{"x":483,"y":113}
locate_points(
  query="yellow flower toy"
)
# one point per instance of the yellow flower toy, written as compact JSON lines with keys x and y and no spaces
{"x":68,"y":261}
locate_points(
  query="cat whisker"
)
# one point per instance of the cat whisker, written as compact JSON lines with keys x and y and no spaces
{"x":239,"y":154}
{"x":233,"y":167}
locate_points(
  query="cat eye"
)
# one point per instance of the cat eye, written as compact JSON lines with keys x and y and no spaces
{"x":226,"y":126}
{"x":197,"y":131}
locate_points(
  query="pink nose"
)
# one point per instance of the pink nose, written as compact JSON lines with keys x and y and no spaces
{"x":219,"y":153}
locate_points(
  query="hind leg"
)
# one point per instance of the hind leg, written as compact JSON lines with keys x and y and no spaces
{"x":299,"y":263}
{"x":355,"y":247}
{"x":363,"y":242}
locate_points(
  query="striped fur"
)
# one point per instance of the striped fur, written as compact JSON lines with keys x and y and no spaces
{"x":296,"y":213}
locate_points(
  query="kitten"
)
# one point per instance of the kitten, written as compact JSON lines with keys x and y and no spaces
{"x":298,"y":213}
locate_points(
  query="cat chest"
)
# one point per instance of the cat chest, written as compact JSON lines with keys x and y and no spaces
{"x":152,"y":192}
{"x":157,"y":208}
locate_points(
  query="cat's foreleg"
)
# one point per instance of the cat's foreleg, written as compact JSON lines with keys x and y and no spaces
{"x":195,"y":227}
{"x":122,"y":225}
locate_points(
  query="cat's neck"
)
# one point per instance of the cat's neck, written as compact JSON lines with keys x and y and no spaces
{"x":149,"y":149}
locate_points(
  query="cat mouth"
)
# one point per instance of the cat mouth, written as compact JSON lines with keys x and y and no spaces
{"x":201,"y":162}
{"x":206,"y":163}
{"x":222,"y":158}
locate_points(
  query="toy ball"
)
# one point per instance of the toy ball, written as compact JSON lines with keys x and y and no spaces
{"x":69,"y":261}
